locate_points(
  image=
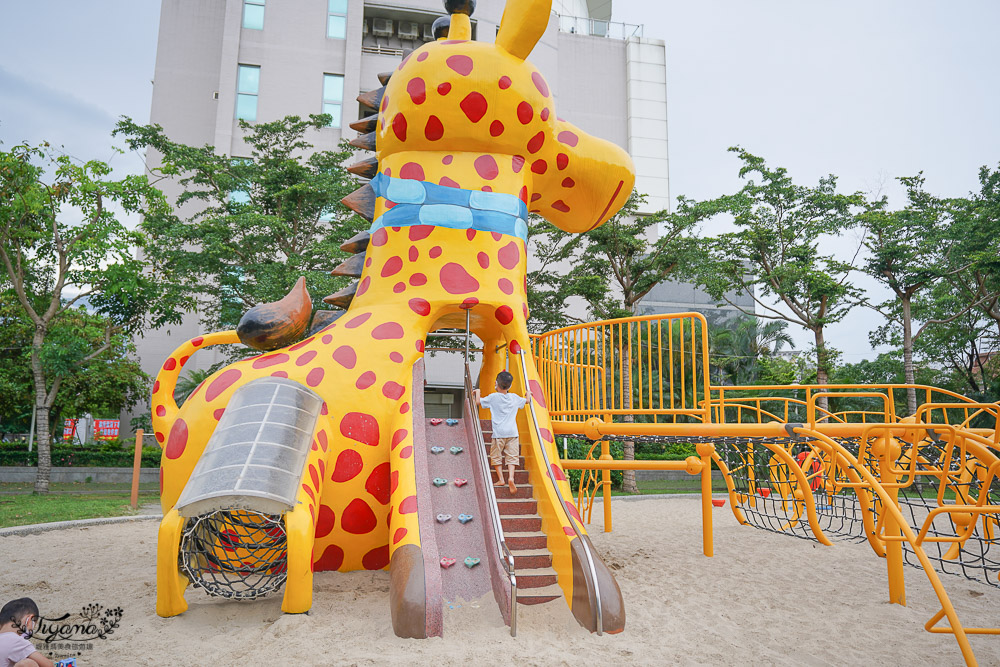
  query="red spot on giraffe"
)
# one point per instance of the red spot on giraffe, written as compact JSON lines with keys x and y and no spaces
{"x":159,"y":436}
{"x":539,"y":166}
{"x":387,"y":331}
{"x":447,"y":159}
{"x":486,"y":167}
{"x":392,"y":266}
{"x":568,"y":138}
{"x":345,"y":356}
{"x":504,"y":82}
{"x":422,"y":56}
{"x":358,"y":518}
{"x":300,"y":345}
{"x":535,"y":143}
{"x":177,"y":441}
{"x":484,"y":260}
{"x":399,"y":126}
{"x":470,"y":302}
{"x":184,"y":359}
{"x":418,"y":279}
{"x":419,"y":345}
{"x":448,"y":182}
{"x":380,"y":237}
{"x":349,"y":465}
{"x":218,"y":414}
{"x":560,"y":205}
{"x":396,"y":357}
{"x":506,"y":286}
{"x":399,"y":288}
{"x":398,"y":437}
{"x":314,"y":475}
{"x":557,"y":474}
{"x":394,"y":481}
{"x":504,"y":315}
{"x":170,"y":364}
{"x":327,"y":339}
{"x":540,"y":84}
{"x":562,"y":161}
{"x":409,"y":505}
{"x":456,"y":280}
{"x":324,"y":524}
{"x":470,"y":234}
{"x":376,"y":559}
{"x":406,"y":452}
{"x":359,"y":320}
{"x":420,"y":232}
{"x":197,"y":341}
{"x":399,"y":535}
{"x":279,"y":374}
{"x":161,"y":411}
{"x":323,"y":441}
{"x":360,"y":427}
{"x":535,"y":197}
{"x":366,"y":380}
{"x":444,"y":88}
{"x":156,"y":386}
{"x":412,"y":170}
{"x":517,"y":164}
{"x":368,"y":262}
{"x":509,"y":255}
{"x":404,"y":408}
{"x":434,"y":129}
{"x":306,"y":358}
{"x":363,"y":287}
{"x":435,"y":252}
{"x":524,"y":309}
{"x":474,"y":106}
{"x":525,"y":113}
{"x":393,"y":390}
{"x":332,"y":559}
{"x":571,"y":510}
{"x":496,"y":128}
{"x":309,"y":492}
{"x":515,"y":347}
{"x":378,"y":483}
{"x":414,"y":254}
{"x":568,"y":182}
{"x":416,"y":90}
{"x":546,"y":434}
{"x":568,"y":530}
{"x":523,"y":196}
{"x":420,"y":306}
{"x":461,"y":64}
{"x":545,"y":114}
{"x":315,"y":376}
{"x":222,"y":383}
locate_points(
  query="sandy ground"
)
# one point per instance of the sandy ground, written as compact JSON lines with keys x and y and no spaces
{"x":764,"y":599}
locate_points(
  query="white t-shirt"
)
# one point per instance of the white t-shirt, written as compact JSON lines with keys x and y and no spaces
{"x":14,"y":648}
{"x":503,"y":408}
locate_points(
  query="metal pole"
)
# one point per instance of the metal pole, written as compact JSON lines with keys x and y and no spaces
{"x":468,"y":317}
{"x":31,"y":432}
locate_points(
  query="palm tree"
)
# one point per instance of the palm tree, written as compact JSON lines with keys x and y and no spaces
{"x":738,"y":349}
{"x":187,"y":383}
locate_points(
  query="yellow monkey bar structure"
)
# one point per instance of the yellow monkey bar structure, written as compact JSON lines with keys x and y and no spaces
{"x":819,"y":462}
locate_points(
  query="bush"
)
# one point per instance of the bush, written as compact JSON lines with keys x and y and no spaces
{"x":105,"y":454}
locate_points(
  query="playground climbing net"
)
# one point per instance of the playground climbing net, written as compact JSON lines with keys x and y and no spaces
{"x":235,"y":554}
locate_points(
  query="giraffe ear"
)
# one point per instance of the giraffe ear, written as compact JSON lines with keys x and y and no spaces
{"x":522,"y":26}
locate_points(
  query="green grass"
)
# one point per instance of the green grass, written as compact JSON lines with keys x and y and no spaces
{"x":21,"y":510}
{"x":78,"y":487}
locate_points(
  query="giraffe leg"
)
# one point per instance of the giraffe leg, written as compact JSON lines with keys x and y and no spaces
{"x":170,"y":581}
{"x":299,"y":585}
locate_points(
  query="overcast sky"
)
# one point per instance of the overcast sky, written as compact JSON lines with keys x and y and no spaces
{"x":867,"y":90}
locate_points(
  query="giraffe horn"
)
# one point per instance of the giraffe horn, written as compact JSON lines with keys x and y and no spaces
{"x":366,"y":168}
{"x":324,"y":318}
{"x":351,"y":267}
{"x":384,"y":77}
{"x":357,"y":243}
{"x":373,"y":98}
{"x":269,"y":326}
{"x":365,"y":141}
{"x":343,"y":298}
{"x":362,"y":202}
{"x":366,"y":124}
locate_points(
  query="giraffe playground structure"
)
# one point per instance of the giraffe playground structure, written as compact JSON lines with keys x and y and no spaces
{"x":311,"y":456}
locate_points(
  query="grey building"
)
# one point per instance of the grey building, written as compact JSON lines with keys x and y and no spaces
{"x":220,"y":60}
{"x":675,"y":296}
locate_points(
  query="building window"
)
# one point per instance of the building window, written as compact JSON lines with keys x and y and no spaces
{"x":333,"y":96}
{"x":336,"y":19}
{"x":247,"y":84}
{"x":253,"y":14}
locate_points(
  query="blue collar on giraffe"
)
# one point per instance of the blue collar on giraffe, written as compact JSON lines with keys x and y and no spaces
{"x":424,"y":203}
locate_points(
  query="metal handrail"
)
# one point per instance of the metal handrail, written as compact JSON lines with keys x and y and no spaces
{"x":595,"y":586}
{"x":506,"y":557}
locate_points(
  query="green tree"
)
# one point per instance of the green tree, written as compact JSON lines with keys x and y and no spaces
{"x":907,"y":252}
{"x":62,"y":242}
{"x":775,"y":255}
{"x":250,"y":226}
{"x":740,"y":347}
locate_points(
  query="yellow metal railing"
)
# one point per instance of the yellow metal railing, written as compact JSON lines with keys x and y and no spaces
{"x":654,"y":365}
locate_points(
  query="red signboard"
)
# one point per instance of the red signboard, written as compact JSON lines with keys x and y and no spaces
{"x":106,"y":429}
{"x":69,"y":428}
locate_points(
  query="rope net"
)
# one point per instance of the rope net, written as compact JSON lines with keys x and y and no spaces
{"x":235,"y":554}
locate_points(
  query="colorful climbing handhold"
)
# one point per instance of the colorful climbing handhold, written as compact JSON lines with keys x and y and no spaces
{"x":465,"y":518}
{"x":456,"y":450}
{"x":437,"y":450}
{"x":451,"y":422}
{"x":439,"y":481}
{"x":471,"y":562}
{"x":447,"y":562}
{"x":461,"y":482}
{"x":443,"y":518}
{"x":436,"y":421}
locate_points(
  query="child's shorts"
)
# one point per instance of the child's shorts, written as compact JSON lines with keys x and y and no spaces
{"x":505,"y":450}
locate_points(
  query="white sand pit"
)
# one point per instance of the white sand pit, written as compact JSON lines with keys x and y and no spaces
{"x":764,"y":599}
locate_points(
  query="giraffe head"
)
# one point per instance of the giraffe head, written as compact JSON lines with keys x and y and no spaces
{"x":479,"y":116}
